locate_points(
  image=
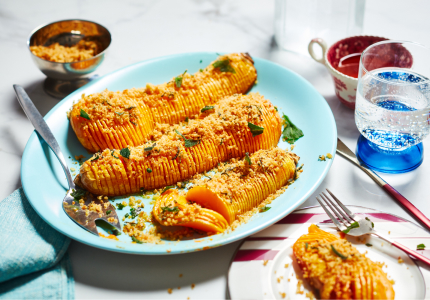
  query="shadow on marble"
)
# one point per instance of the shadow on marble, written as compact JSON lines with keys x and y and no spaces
{"x":133,"y":273}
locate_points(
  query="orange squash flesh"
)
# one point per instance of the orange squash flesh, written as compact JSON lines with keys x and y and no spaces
{"x":346,"y":274}
{"x":230,"y":193}
{"x":221,"y":135}
{"x":129,"y":116}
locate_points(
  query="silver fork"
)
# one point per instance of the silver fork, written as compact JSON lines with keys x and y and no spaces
{"x":71,"y":205}
{"x":354,"y":225}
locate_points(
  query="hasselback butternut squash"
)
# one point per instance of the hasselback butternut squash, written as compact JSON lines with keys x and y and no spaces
{"x":336,"y":270}
{"x":240,"y":187}
{"x":116,"y":120}
{"x":237,"y":125}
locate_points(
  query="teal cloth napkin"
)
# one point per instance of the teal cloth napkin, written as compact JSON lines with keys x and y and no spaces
{"x":33,"y":259}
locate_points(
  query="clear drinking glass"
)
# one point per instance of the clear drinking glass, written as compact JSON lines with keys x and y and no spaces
{"x":393,"y":105}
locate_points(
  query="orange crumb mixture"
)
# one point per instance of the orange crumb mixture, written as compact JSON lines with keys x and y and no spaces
{"x":58,"y":53}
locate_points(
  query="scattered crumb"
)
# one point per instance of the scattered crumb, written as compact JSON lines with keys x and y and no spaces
{"x":169,"y":290}
{"x":299,"y":290}
{"x":329,"y":156}
{"x":288,"y":279}
{"x":265,"y":262}
{"x":310,"y":295}
{"x":392,"y":281}
{"x":400,"y":260}
{"x":179,"y":287}
{"x":275,"y":272}
{"x":283,"y":295}
{"x":168,"y":250}
{"x":286,"y":266}
{"x":180,"y":275}
{"x":321,"y":158}
{"x":193,"y":286}
{"x":280,"y":278}
{"x":389,"y":232}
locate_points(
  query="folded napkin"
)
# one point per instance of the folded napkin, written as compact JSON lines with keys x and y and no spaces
{"x":33,"y":259}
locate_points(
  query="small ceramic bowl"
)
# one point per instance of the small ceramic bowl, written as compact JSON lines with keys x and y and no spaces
{"x":63,"y":78}
{"x":345,"y":86}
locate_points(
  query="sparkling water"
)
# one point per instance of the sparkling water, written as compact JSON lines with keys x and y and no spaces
{"x":392,"y":108}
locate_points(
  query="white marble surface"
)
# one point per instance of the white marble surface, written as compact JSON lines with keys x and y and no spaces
{"x":146,"y":29}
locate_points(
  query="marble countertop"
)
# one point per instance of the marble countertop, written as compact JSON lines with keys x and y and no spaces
{"x":147,"y":29}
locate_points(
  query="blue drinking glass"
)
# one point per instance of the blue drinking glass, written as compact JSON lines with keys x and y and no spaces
{"x":392,"y":110}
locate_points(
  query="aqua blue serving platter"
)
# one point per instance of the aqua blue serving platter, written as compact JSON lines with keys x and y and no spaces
{"x":45,"y":185}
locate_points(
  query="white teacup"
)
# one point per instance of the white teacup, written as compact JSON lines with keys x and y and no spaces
{"x":345,"y":86}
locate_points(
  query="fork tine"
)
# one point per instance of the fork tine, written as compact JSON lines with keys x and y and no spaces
{"x":346,"y":216}
{"x":331,"y":206}
{"x":335,"y":221}
{"x":350,"y":214}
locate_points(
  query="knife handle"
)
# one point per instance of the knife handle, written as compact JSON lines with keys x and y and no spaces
{"x":407,"y":205}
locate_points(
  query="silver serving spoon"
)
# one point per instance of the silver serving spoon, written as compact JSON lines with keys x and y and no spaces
{"x":77,"y":211}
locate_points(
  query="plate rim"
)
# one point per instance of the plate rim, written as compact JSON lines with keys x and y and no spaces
{"x":318,"y":206}
{"x":228,"y":240}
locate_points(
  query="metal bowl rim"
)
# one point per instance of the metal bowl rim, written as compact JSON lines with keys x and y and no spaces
{"x":62,"y":63}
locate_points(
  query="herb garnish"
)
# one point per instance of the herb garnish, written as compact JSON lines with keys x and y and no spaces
{"x":188,"y":143}
{"x":207,"y":108}
{"x":78,"y":194}
{"x":373,"y":225}
{"x":338,"y":253}
{"x":136,"y":240}
{"x":120,"y":206}
{"x":421,"y":247}
{"x":85,"y":115}
{"x":126,"y":215}
{"x":265,"y":208}
{"x":149,"y":170}
{"x":255,"y":130}
{"x":167,"y":188}
{"x":174,"y":209}
{"x":108,"y":212}
{"x":177,"y":153}
{"x":178,"y":80}
{"x":119,"y":113}
{"x":130,"y":107}
{"x":134,"y":212}
{"x":290,"y":132}
{"x":306,"y":246}
{"x":353,"y":225}
{"x":150,"y":148}
{"x":187,"y":119}
{"x":247,"y":158}
{"x":112,"y":152}
{"x":224,"y":66}
{"x":369,"y":245}
{"x":125,"y":152}
{"x":96,"y":158}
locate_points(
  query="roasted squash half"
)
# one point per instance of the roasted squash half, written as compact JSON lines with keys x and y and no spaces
{"x":336,"y":270}
{"x":239,"y":188}
{"x":237,"y":125}
{"x":115,"y":120}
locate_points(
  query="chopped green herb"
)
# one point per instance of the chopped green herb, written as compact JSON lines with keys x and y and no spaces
{"x":125,"y":152}
{"x":136,"y":240}
{"x":78,"y":194}
{"x":96,"y":158}
{"x":373,"y":225}
{"x":130,"y":107}
{"x":85,"y":115}
{"x":265,"y":208}
{"x":119,"y":113}
{"x":178,"y":80}
{"x":224,"y":66}
{"x":353,"y":225}
{"x":316,"y":248}
{"x":207,"y":108}
{"x":201,"y":70}
{"x":112,"y":152}
{"x":150,"y":148}
{"x":255,"y":130}
{"x":177,"y":153}
{"x":120,"y":206}
{"x":187,"y":119}
{"x":338,"y":253}
{"x":134,"y":212}
{"x":247,"y":158}
{"x":188,"y":143}
{"x":108,"y":212}
{"x":174,"y":209}
{"x":369,"y":245}
{"x":167,"y":188}
{"x":126,"y":215}
{"x":201,"y":61}
{"x":149,"y":170}
{"x":290,"y":132}
{"x":421,"y":247}
{"x":222,"y":141}
{"x":276,"y":108}
{"x":306,"y":246}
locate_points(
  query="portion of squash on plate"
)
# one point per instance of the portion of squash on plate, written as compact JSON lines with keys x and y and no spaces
{"x":237,"y":125}
{"x":115,"y":120}
{"x":336,"y":270}
{"x":243,"y":185}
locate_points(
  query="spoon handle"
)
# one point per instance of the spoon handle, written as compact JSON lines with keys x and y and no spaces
{"x":42,"y":128}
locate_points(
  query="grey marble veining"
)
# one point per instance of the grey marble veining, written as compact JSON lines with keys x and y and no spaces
{"x":147,"y":29}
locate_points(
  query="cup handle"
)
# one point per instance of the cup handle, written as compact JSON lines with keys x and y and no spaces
{"x":323,"y":46}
